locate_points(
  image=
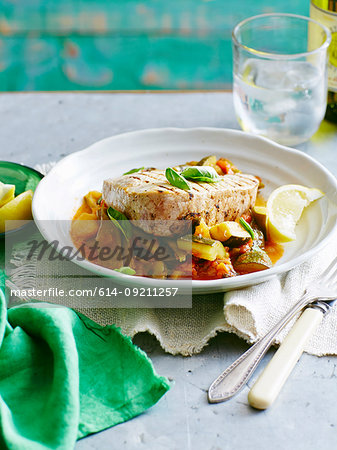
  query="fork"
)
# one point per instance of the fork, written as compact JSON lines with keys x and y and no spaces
{"x":234,"y":378}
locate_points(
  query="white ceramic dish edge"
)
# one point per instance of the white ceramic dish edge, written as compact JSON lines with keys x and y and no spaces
{"x":198,"y":286}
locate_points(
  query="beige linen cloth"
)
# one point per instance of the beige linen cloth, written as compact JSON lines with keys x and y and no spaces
{"x":248,"y":312}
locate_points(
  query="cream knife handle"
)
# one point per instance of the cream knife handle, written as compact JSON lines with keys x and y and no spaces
{"x":237,"y":374}
{"x":275,"y":374}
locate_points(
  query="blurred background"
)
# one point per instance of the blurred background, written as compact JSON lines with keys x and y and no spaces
{"x":61,"y":45}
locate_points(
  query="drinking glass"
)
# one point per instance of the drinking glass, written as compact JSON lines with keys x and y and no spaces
{"x":280,"y":76}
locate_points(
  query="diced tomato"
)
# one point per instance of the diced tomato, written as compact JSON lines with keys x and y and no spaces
{"x":225,"y":166}
{"x":247,"y":217}
{"x":236,"y":251}
{"x":211,"y":270}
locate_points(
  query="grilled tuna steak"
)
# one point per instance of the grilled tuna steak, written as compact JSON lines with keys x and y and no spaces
{"x":147,"y":196}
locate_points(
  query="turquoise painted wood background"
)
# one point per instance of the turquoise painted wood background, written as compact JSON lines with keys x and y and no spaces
{"x":123,"y":44}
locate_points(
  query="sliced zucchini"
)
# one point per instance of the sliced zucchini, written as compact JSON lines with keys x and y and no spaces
{"x":232,"y":233}
{"x":179,"y":254}
{"x":207,"y":161}
{"x":158,"y":270}
{"x":261,"y":217}
{"x":202,"y":247}
{"x":211,"y":162}
{"x":253,"y":261}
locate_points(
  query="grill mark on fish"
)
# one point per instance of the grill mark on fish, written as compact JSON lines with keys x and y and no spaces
{"x":147,"y":176}
{"x":201,"y":186}
{"x":228,"y":181}
{"x":168,"y":188}
{"x":197,"y":188}
{"x":154,"y":175}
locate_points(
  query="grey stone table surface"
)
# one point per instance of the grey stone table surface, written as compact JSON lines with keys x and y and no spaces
{"x":37,"y":128}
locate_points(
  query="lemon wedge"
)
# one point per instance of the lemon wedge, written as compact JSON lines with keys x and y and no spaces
{"x":20,"y":208}
{"x":284,"y":209}
{"x":6,"y":193}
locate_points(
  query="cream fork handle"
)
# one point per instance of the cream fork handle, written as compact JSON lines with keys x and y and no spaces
{"x":270,"y":382}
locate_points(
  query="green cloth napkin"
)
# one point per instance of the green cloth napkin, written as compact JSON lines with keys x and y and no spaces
{"x":63,"y":377}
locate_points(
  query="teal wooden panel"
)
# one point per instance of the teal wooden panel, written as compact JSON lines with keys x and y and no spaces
{"x":130,"y":44}
{"x":151,"y":62}
{"x":55,"y":63}
{"x":135,"y":16}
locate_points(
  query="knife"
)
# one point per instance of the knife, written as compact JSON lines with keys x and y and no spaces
{"x":234,"y":378}
{"x":269,"y":384}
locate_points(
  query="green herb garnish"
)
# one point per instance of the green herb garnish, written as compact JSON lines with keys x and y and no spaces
{"x":99,"y":201}
{"x":126,"y":270}
{"x":201,"y":173}
{"x":133,"y":171}
{"x":116,"y":217}
{"x":176,"y":180}
{"x":247,"y":227}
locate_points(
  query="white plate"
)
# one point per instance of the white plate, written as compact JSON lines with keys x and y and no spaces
{"x":60,"y":193}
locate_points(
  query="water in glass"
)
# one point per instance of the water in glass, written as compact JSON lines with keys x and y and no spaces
{"x":284,"y":100}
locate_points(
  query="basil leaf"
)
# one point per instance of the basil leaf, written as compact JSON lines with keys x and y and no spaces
{"x":113,"y":213}
{"x":176,"y":180}
{"x":247,"y":227}
{"x":116,"y":217}
{"x":201,"y":173}
{"x":133,"y":171}
{"x":126,"y":270}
